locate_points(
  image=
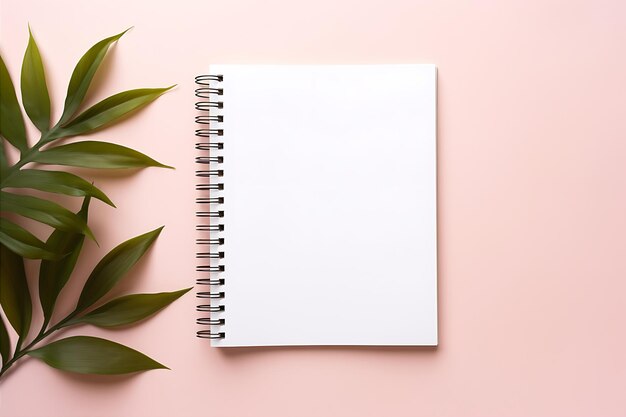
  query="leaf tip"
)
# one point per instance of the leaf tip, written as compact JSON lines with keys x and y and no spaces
{"x":168,"y":88}
{"x":159,"y":365}
{"x":180,"y":293}
{"x":153,"y":234}
{"x":156,"y":232}
{"x":119,"y":35}
{"x":157,"y":164}
{"x":31,"y":38}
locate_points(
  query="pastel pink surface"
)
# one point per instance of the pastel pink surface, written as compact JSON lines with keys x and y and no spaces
{"x":532,"y":198}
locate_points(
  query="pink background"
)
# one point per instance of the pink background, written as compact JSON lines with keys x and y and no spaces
{"x":532,"y":181}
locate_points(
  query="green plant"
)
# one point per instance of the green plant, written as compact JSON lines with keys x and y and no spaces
{"x":59,"y":253}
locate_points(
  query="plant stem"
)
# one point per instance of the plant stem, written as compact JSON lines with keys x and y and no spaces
{"x":42,"y":335}
{"x":25,"y":158}
{"x":29,"y":155}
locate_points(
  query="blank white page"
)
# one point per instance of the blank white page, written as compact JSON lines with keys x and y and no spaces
{"x":330,"y":205}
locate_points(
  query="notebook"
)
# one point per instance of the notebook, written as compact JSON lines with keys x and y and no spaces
{"x":317,"y":205}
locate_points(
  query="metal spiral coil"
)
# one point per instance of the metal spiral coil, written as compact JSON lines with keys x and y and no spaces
{"x":207,"y":119}
{"x":217,"y":241}
{"x":210,"y":268}
{"x":209,"y":281}
{"x":204,"y":187}
{"x":208,"y":90}
{"x":210,"y":227}
{"x":207,"y":146}
{"x":210,"y":173}
{"x":210,"y":294}
{"x":208,"y":308}
{"x":208,"y":160}
{"x":210,"y":200}
{"x":205,"y":133}
{"x":219,"y":213}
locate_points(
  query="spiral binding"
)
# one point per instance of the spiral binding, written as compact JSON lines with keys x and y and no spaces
{"x":209,"y":91}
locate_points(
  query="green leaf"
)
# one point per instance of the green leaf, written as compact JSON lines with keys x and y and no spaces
{"x":22,"y":242}
{"x":14,"y":294}
{"x":5,"y":342}
{"x":92,"y":154}
{"x":43,"y":211}
{"x":110,"y":110}
{"x":34,"y":90}
{"x":128,"y":309}
{"x":113,"y":267}
{"x":11,"y":120}
{"x":53,"y":275}
{"x":83,"y":74}
{"x":92,"y":355}
{"x":3,"y":160}
{"x":55,"y":182}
